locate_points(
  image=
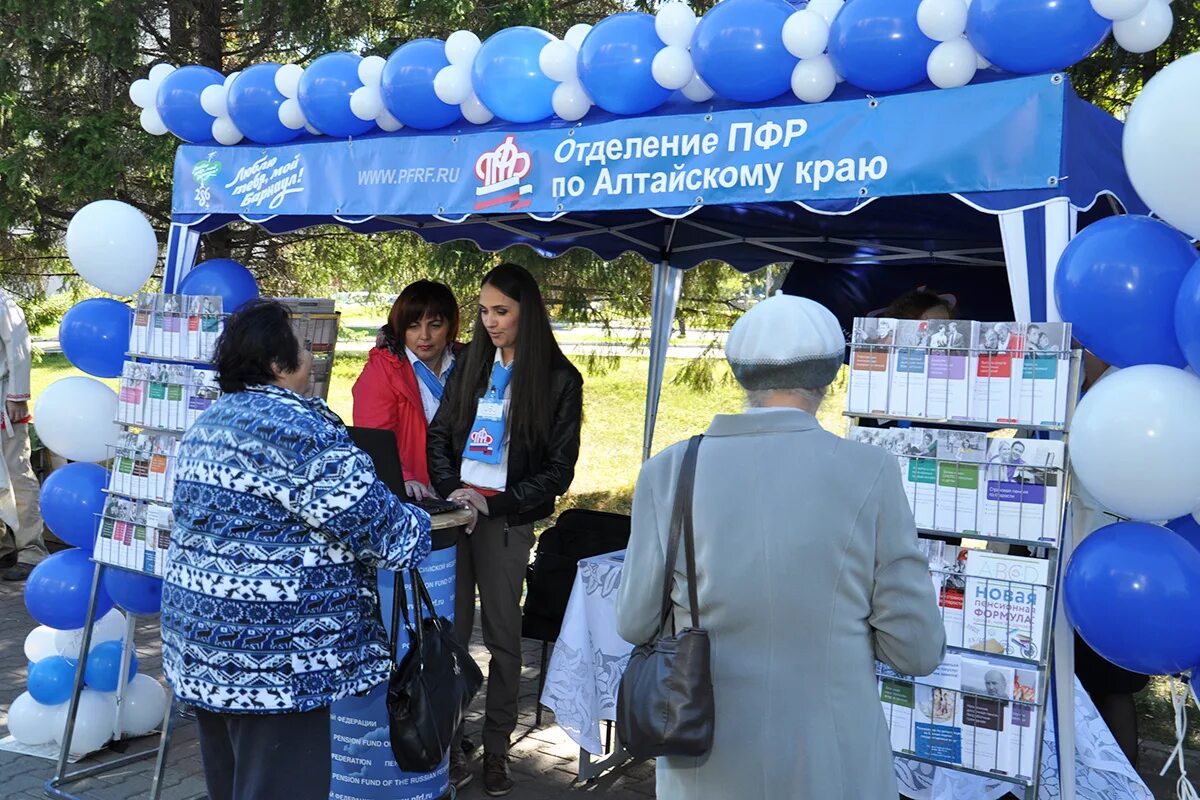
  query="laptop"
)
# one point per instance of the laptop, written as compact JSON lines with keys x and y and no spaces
{"x":380,"y":445}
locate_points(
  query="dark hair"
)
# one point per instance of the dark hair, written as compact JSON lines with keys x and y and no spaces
{"x":258,"y":340}
{"x":915,"y":303}
{"x":530,"y":416}
{"x":419,"y":300}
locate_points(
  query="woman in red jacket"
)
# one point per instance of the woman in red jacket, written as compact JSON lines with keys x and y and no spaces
{"x":401,"y":386}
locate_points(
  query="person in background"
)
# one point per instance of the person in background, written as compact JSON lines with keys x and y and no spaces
{"x":505,"y":441}
{"x":808,"y":570}
{"x":919,"y":304}
{"x":21,"y":544}
{"x":269,"y":606}
{"x":402,"y":384}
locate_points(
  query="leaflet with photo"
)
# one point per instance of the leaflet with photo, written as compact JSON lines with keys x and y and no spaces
{"x":987,"y":694}
{"x":897,"y":693}
{"x":995,"y":346}
{"x":1023,"y":717}
{"x":907,"y":396}
{"x":1007,"y":604}
{"x":947,"y":565}
{"x":919,"y":471}
{"x":143,"y":323}
{"x":871,"y":342}
{"x":961,"y":456}
{"x":947,"y":378}
{"x":1024,"y":485}
{"x":937,"y":717}
{"x":1044,"y":376}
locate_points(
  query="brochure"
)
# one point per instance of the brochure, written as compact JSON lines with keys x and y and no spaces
{"x":1007,"y":604}
{"x":908,"y":394}
{"x":961,"y":455}
{"x":994,"y":348}
{"x":871,"y":343}
{"x":949,"y":390}
{"x":1044,"y":376}
{"x":1024,"y":484}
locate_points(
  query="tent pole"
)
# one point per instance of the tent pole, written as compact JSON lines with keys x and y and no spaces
{"x":664,"y":297}
{"x":183,"y":244}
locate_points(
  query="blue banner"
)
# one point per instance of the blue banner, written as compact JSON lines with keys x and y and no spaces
{"x":363,"y":766}
{"x":999,"y":136}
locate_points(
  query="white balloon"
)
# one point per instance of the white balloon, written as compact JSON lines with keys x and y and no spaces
{"x":370,"y":70}
{"x":75,"y":418}
{"x":287,"y":79}
{"x":1160,"y":145}
{"x":366,"y":102}
{"x":674,"y":23}
{"x":814,"y":79}
{"x":225,"y":132}
{"x":32,"y":723}
{"x":558,"y":61}
{"x":942,"y":20}
{"x":806,"y":34}
{"x":143,"y":707}
{"x":1134,"y":440}
{"x":142,"y":92}
{"x":452,"y":84}
{"x":387,"y":122}
{"x":112,"y":246}
{"x":474,"y":111}
{"x":291,"y":115}
{"x":697,"y":90}
{"x":1147,"y":30}
{"x":160,"y":71}
{"x":461,"y":47}
{"x":151,"y":122}
{"x":212,"y":100}
{"x":952,"y":64}
{"x":230,"y":78}
{"x":576,"y":34}
{"x":826,"y":8}
{"x":1117,"y":10}
{"x":93,"y":721}
{"x":309,"y":127}
{"x":39,"y":644}
{"x":672,"y":68}
{"x":109,"y":628}
{"x":571,"y":101}
{"x":69,"y":643}
{"x":981,"y":62}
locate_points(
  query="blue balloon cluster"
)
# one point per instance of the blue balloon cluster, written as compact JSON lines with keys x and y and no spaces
{"x":508,"y":79}
{"x":614,"y":64}
{"x":51,"y":680}
{"x":1028,"y":36}
{"x":877,"y":45}
{"x":178,"y":102}
{"x":221,"y":277}
{"x":133,"y":591}
{"x":254,"y":102}
{"x":57,"y":591}
{"x":407,"y":85}
{"x":324,"y":95}
{"x":102,"y":671}
{"x":738,"y":49}
{"x":94,"y":335}
{"x":71,"y":501}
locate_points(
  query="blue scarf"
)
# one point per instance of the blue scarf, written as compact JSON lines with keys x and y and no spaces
{"x":431,"y":381}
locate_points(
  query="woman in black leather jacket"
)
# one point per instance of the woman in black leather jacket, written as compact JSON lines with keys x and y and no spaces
{"x":505,"y":441}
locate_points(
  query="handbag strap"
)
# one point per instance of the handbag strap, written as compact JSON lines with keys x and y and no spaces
{"x":681,"y":527}
{"x":400,"y":608}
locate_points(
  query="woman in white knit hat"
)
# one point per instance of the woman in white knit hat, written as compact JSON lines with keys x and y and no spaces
{"x":807,"y":572}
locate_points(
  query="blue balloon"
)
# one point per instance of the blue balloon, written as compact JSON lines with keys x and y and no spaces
{"x":1132,"y":590}
{"x":1028,"y":36}
{"x":133,"y":591}
{"x":407,"y":85}
{"x":57,"y":591}
{"x":103,"y":669}
{"x":178,"y":102}
{"x":254,"y":103}
{"x":1117,"y":283}
{"x":878,"y":46}
{"x":224,"y":277}
{"x":94,"y":335}
{"x":51,"y":680}
{"x":1187,"y":527}
{"x":614,"y":64}
{"x":738,"y":49}
{"x":507,"y":78}
{"x":1187,"y":317}
{"x":72,"y":499}
{"x":324,"y":95}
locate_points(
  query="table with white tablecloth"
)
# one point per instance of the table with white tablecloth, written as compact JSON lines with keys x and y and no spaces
{"x":589,"y":658}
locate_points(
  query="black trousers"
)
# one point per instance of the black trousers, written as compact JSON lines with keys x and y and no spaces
{"x":266,"y":756}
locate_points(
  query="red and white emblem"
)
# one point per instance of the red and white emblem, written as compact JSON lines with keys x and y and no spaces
{"x":500,"y":171}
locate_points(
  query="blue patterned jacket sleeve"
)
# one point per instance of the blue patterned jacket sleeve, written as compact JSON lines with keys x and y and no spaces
{"x":338,"y":493}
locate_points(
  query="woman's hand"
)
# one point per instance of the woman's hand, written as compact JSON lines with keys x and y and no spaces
{"x":469,"y":498}
{"x":417,"y":490}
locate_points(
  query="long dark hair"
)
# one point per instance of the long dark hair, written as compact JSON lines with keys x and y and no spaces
{"x":530,"y":417}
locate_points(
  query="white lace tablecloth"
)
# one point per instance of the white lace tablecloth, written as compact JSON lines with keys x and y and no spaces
{"x":589,"y":658}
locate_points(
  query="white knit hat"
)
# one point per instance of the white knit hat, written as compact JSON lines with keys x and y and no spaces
{"x":786,"y":342}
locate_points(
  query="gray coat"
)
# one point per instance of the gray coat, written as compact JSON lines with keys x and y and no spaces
{"x":808,"y":571}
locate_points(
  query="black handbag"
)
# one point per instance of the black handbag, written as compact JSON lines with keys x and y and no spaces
{"x":432,"y":686}
{"x":665,"y":701}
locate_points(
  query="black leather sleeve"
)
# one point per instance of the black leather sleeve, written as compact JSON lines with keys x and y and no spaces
{"x":443,"y":458}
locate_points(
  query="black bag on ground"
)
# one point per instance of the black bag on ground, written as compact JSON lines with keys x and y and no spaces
{"x":432,"y":686}
{"x":665,"y":702}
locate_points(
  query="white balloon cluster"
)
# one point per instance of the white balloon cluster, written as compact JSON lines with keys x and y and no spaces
{"x":453,"y":84}
{"x":806,"y":36}
{"x":214,"y":101}
{"x":1139,"y":26}
{"x":366,"y":102}
{"x":673,"y":67}
{"x":559,"y":61}
{"x":143,"y":92}
{"x":287,"y":81}
{"x":955,"y":60}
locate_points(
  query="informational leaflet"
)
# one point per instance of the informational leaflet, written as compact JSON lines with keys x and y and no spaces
{"x":961,"y":455}
{"x":947,"y":564}
{"x":1023,"y":493}
{"x":995,"y":346}
{"x":1007,"y":604}
{"x":987,"y":693}
{"x":937,"y":722}
{"x":907,"y":396}
{"x":898,"y":694}
{"x":1044,"y":376}
{"x":871,"y":344}
{"x":948,"y":387}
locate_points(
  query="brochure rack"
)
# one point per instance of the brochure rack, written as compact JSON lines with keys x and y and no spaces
{"x":315,"y":321}
{"x":984,"y":710}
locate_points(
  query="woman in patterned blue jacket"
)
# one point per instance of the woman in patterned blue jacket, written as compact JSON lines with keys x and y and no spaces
{"x":270,"y":611}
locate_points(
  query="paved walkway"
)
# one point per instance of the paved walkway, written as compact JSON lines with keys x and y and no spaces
{"x":543,"y":766}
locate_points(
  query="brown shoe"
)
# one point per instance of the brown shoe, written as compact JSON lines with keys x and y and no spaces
{"x":460,"y":770}
{"x":18,"y":572}
{"x":495,"y":774}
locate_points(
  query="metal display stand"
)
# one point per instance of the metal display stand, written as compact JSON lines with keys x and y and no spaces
{"x":1051,"y":656}
{"x":315,"y":321}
